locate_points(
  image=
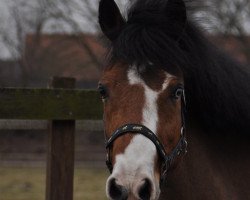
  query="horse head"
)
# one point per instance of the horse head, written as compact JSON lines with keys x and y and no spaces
{"x":142,"y":88}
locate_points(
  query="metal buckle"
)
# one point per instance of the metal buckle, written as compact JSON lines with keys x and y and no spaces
{"x":182,"y":131}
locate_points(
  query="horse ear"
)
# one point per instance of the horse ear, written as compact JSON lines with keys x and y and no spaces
{"x":110,"y":19}
{"x":177,"y":17}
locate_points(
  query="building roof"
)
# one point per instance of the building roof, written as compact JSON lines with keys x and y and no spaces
{"x":78,"y":56}
{"x":238,"y":47}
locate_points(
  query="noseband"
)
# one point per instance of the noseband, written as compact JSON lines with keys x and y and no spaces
{"x":167,"y":159}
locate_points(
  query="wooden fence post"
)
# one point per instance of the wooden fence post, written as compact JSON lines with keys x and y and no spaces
{"x":60,"y":152}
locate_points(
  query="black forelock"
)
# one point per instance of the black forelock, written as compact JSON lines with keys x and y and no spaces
{"x":146,"y":37}
{"x":146,"y":45}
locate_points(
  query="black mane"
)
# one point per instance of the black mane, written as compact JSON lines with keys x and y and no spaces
{"x":217,"y":87}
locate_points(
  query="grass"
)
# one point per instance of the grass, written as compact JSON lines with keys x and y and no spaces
{"x":29,"y":184}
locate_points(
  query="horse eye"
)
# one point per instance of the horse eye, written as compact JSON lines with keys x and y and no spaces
{"x":103,"y":91}
{"x":178,"y":93}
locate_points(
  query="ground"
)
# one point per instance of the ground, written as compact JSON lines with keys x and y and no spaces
{"x":29,"y":183}
{"x":23,"y":165}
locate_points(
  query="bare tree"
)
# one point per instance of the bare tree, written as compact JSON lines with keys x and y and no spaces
{"x":82,"y":16}
{"x":26,"y":17}
{"x":38,"y":17}
{"x":230,"y":20}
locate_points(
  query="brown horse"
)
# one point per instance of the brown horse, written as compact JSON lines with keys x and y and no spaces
{"x":154,"y":56}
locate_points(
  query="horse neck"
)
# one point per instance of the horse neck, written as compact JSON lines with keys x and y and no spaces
{"x":217,"y":87}
{"x":213,"y":169}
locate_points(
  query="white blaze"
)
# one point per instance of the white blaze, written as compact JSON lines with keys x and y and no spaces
{"x":150,"y":110}
{"x":139,"y":156}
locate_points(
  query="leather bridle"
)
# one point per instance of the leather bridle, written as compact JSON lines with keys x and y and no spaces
{"x":167,"y":159}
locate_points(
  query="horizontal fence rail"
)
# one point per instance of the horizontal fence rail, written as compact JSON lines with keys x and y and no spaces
{"x":59,"y":104}
{"x":81,"y":125}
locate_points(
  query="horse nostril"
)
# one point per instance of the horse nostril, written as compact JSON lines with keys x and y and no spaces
{"x":145,"y":190}
{"x":117,"y":192}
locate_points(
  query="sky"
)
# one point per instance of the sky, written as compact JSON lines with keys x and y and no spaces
{"x":4,"y":15}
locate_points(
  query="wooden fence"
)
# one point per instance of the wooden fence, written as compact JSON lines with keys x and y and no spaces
{"x":61,"y":105}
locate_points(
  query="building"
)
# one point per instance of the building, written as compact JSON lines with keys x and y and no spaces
{"x":64,"y":55}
